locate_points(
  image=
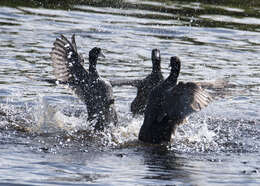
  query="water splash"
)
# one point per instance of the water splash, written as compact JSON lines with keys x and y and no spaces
{"x":217,"y":135}
{"x":194,"y":136}
{"x":66,"y":126}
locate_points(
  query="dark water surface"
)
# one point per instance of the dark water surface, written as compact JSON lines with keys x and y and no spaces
{"x":44,"y":136}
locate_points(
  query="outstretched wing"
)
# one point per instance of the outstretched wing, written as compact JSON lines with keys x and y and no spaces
{"x":122,"y":82}
{"x":67,"y":63}
{"x":184,"y":99}
{"x":73,"y":42}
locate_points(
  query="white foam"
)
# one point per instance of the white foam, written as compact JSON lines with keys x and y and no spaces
{"x":194,"y":133}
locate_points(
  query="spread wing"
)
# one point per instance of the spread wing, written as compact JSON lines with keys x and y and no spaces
{"x":184,"y":99}
{"x":220,"y":83}
{"x":73,"y":42}
{"x":67,"y":63}
{"x":122,"y":82}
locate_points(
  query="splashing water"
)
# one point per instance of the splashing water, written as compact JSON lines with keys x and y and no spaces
{"x":54,"y":119}
{"x":69,"y":124}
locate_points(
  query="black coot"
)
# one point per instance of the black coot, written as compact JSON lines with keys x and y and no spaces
{"x":168,"y":105}
{"x":145,"y":86}
{"x":94,"y":91}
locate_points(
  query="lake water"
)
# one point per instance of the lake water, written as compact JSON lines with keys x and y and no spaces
{"x":44,"y":136}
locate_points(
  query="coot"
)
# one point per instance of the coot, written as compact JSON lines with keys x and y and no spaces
{"x":169,"y":104}
{"x":94,"y":91}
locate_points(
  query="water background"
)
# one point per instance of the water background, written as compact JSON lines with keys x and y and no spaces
{"x":44,"y":136}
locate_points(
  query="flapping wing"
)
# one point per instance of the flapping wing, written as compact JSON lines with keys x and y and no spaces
{"x":217,"y":84}
{"x":184,"y":99}
{"x":73,"y":42}
{"x":67,"y":63}
{"x":122,"y":82}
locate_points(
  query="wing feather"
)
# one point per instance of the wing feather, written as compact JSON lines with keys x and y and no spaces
{"x":184,"y":99}
{"x":67,"y":63}
{"x":58,"y":52}
{"x":122,"y":82}
{"x":73,"y":42}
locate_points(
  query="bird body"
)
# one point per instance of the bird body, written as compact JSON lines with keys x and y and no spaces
{"x":168,"y":105}
{"x":145,"y":85}
{"x":101,"y":105}
{"x":94,"y":91}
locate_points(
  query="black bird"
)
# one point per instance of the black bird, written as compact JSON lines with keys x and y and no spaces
{"x":169,"y":104}
{"x":145,"y":86}
{"x":94,"y":91}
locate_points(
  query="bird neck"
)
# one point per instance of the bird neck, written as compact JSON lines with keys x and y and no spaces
{"x":93,"y":70}
{"x":173,"y":77}
{"x":174,"y":73}
{"x":156,"y":67}
{"x":92,"y":64}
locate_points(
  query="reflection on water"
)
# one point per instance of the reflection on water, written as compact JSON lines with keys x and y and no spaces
{"x":44,"y":135}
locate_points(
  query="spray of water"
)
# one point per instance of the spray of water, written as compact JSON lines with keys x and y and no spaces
{"x":56,"y":125}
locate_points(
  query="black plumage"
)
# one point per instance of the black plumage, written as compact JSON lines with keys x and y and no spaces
{"x":94,"y":91}
{"x":169,"y":104}
{"x":145,"y":85}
